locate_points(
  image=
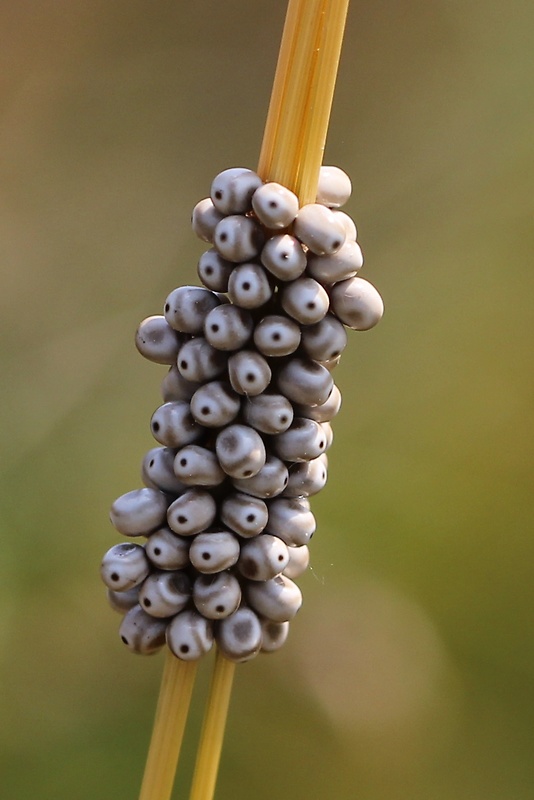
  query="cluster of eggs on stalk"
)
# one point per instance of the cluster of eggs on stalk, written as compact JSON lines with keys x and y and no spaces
{"x":245,"y":422}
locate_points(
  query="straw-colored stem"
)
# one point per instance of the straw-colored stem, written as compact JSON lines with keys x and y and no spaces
{"x":288,"y":105}
{"x":211,"y":738}
{"x":313,"y":137}
{"x":299,"y":111}
{"x":169,"y":724}
{"x":291,"y":154}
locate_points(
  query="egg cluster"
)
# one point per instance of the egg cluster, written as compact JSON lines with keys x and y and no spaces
{"x":245,"y":421}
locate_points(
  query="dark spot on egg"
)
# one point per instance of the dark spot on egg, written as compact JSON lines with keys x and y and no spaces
{"x":242,"y":630}
{"x":249,"y":567}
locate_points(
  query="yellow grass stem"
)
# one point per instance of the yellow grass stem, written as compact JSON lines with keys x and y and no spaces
{"x":291,"y":154}
{"x":169,"y":724}
{"x":301,"y":100}
{"x":211,"y":738}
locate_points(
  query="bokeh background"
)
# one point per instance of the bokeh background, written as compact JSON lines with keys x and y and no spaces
{"x":409,"y":672}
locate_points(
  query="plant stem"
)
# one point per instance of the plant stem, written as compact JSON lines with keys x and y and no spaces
{"x":291,"y":154}
{"x":211,"y":738}
{"x":169,"y":724}
{"x":301,"y":100}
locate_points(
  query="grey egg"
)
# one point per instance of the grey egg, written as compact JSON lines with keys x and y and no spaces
{"x":307,"y":478}
{"x":157,"y":471}
{"x":244,"y":514}
{"x":232,"y":190}
{"x":270,"y":481}
{"x":175,"y":387}
{"x":268,"y":413}
{"x":215,"y":404}
{"x":214,"y":271}
{"x":198,"y":361}
{"x":325,"y":340}
{"x":324,"y":412}
{"x":240,"y":450}
{"x":249,"y":373}
{"x":124,"y":566}
{"x":192,"y":512}
{"x":263,"y":557}
{"x":189,"y":635}
{"x":329,"y":434}
{"x":172,"y":425}
{"x":351,"y":231}
{"x":305,"y":300}
{"x":331,"y":363}
{"x":239,"y":635}
{"x":357,"y":304}
{"x":122,"y":602}
{"x":334,"y":187}
{"x":275,"y":206}
{"x":198,"y":466}
{"x":204,"y":219}
{"x":157,"y":341}
{"x":164,"y":594}
{"x":278,"y":599}
{"x":238,"y":238}
{"x":139,"y":512}
{"x":228,"y":327}
{"x":299,"y":560}
{"x":276,"y":336}
{"x":319,"y":229}
{"x":304,"y":381}
{"x":302,"y":441}
{"x":214,"y":551}
{"x":291,"y":520}
{"x":216,"y":596}
{"x":167,"y":550}
{"x":249,"y":286}
{"x":338,"y":266}
{"x":141,"y":633}
{"x":186,"y":308}
{"x":284,"y":257}
{"x":273,"y":635}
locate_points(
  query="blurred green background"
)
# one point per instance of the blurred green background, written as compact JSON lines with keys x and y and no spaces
{"x":409,"y":672}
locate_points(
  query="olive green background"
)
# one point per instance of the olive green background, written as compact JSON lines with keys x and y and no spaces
{"x":409,"y":671}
